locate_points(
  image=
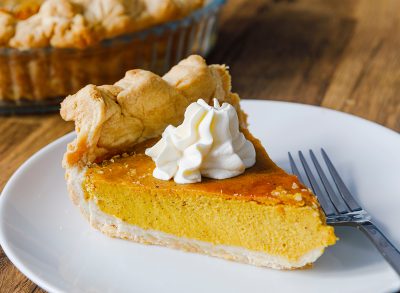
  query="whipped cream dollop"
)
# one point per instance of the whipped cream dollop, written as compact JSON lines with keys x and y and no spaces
{"x":208,"y":143}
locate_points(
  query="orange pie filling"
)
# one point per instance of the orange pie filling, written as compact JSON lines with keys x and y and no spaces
{"x":263,"y":210}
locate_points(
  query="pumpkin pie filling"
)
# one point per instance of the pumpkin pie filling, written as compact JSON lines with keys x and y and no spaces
{"x":243,"y":211}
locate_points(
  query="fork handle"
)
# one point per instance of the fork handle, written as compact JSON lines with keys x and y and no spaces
{"x":387,"y":249}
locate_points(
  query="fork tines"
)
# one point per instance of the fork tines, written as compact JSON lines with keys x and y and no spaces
{"x":338,"y":203}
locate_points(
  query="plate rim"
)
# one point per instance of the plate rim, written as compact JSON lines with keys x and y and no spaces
{"x":5,"y":194}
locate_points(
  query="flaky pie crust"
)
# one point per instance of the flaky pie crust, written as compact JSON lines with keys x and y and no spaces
{"x":81,"y":23}
{"x":110,"y":119}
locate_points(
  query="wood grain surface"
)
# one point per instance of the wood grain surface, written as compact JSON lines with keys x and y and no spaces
{"x":340,"y":54}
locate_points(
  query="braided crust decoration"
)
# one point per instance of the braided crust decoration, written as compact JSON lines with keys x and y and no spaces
{"x":110,"y":119}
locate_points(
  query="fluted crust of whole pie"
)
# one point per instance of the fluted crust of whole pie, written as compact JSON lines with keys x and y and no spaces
{"x":110,"y":119}
{"x":59,"y":23}
{"x":81,"y":23}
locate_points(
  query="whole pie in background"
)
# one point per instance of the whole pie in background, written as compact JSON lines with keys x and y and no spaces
{"x":50,"y":48}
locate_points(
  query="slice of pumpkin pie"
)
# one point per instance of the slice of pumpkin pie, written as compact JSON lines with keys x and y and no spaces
{"x":169,"y":161}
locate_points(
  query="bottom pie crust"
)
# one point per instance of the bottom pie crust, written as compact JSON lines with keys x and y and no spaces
{"x":114,"y":227}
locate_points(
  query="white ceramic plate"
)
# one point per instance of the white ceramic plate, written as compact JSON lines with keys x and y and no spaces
{"x":46,"y":237}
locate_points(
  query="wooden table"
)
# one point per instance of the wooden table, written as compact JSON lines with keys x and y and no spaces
{"x":340,"y":54}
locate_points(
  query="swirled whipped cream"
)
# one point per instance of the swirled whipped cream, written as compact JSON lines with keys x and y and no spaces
{"x":208,"y":143}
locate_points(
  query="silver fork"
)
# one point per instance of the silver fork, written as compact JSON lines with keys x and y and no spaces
{"x":341,"y":208}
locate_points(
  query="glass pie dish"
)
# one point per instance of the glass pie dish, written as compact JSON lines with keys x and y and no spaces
{"x":37,"y":79}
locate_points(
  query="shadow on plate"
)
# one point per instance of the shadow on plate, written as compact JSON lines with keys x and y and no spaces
{"x":352,"y":252}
